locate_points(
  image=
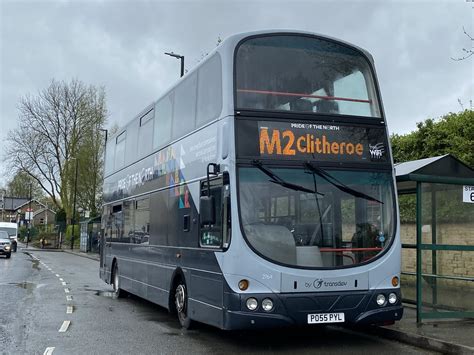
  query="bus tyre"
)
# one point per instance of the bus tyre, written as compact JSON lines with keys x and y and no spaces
{"x":181,"y":304}
{"x":116,"y":283}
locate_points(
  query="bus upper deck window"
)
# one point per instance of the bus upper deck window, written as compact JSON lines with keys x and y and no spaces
{"x":304,"y":74}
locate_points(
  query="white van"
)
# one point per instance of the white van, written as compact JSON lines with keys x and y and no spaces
{"x":12,"y":230}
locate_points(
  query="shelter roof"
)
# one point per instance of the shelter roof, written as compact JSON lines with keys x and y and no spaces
{"x":442,"y":169}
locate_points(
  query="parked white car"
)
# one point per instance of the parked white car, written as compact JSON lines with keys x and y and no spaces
{"x":5,"y":244}
{"x":12,"y":230}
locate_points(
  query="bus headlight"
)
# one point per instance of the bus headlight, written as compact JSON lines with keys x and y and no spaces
{"x":267,"y":305}
{"x":392,"y":298}
{"x":252,"y":303}
{"x":7,"y":247}
{"x":381,"y":301}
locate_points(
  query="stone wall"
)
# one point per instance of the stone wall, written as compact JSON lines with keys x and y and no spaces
{"x":449,"y":263}
{"x":452,"y":263}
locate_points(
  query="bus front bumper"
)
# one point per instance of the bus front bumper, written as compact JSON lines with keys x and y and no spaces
{"x":294,"y":309}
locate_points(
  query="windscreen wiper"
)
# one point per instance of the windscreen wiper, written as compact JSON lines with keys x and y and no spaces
{"x":279,"y":181}
{"x":341,"y":186}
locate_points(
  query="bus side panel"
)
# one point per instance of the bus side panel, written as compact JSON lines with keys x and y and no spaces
{"x":206,"y":298}
{"x":160,"y":272}
{"x":139,"y":270}
{"x":205,"y":285}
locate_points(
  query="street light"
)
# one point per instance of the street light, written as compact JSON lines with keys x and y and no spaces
{"x":3,"y":204}
{"x":74,"y":206}
{"x":106,"y":132}
{"x":29,"y":221}
{"x":177,"y":56}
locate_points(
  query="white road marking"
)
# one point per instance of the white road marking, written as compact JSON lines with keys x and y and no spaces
{"x":49,"y":351}
{"x":60,"y":279}
{"x":65,"y":325}
{"x":66,"y":290}
{"x":64,"y":284}
{"x":69,"y":309}
{"x":68,"y":298}
{"x":57,"y":275}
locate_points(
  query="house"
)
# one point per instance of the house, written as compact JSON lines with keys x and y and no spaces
{"x":10,"y":206}
{"x":16,"y":209}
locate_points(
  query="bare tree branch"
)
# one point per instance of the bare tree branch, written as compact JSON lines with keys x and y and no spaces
{"x":58,"y":124}
{"x":468,"y":52}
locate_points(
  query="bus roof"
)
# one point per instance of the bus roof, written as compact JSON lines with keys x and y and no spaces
{"x":226,"y":50}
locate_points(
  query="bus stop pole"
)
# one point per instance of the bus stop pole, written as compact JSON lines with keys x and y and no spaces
{"x":419,"y":240}
{"x":434,"y":282}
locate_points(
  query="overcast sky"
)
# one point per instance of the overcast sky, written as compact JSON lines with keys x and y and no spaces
{"x":120,"y":45}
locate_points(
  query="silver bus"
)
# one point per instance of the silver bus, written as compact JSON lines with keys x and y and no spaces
{"x":259,"y":190}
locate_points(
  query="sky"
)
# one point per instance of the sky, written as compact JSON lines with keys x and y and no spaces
{"x":119,"y":44}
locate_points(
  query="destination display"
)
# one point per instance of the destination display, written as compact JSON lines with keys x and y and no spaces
{"x":312,"y":141}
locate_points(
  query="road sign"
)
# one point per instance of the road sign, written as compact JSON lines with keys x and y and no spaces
{"x":468,"y":194}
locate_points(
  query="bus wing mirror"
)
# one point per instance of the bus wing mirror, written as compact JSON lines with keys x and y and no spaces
{"x":207,"y":210}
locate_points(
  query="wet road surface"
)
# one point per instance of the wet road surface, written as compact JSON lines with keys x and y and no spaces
{"x":56,"y":300}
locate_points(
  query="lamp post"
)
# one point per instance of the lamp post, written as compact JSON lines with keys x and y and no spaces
{"x":74,"y":205}
{"x":178,"y":56}
{"x":29,"y":221}
{"x":106,"y":132}
{"x":3,"y":204}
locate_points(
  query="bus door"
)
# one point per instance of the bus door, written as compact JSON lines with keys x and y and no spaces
{"x":207,"y":286}
{"x":215,"y":212}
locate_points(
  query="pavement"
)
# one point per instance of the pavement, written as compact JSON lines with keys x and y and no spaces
{"x":453,"y":336}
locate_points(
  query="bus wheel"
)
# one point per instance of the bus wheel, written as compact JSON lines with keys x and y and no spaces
{"x":181,"y":304}
{"x":116,"y":283}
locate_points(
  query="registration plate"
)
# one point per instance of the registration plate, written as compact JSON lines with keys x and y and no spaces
{"x":320,"y":318}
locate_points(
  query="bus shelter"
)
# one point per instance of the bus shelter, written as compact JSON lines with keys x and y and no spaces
{"x":436,"y":201}
{"x":90,"y":235}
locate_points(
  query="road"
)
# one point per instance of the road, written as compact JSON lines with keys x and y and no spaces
{"x":39,"y":288}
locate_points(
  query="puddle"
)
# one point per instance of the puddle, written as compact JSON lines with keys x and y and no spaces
{"x":103,"y":293}
{"x":25,"y":285}
{"x":35,"y":264}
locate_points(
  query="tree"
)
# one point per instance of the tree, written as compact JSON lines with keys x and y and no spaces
{"x":452,"y":133}
{"x":90,"y":171}
{"x":19,"y":186}
{"x":468,"y":52}
{"x":55,"y":131}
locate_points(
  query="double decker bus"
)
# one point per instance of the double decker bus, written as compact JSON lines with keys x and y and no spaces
{"x":259,"y":190}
